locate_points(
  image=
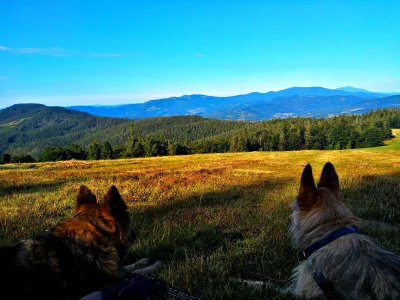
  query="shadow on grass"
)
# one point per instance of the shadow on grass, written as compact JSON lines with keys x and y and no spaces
{"x":247,"y":193}
{"x":22,"y":188}
{"x":200,"y":225}
{"x":374,"y":197}
{"x":206,"y":239}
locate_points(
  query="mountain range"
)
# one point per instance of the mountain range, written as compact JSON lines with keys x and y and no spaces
{"x":295,"y":101}
{"x":30,"y":128}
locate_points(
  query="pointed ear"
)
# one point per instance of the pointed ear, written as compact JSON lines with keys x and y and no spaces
{"x":329,"y":178}
{"x":114,"y":201}
{"x":84,"y":196}
{"x":308,"y":191}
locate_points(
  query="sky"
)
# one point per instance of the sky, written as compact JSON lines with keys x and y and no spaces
{"x":63,"y":53}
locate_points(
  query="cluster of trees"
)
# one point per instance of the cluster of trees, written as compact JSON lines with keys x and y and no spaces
{"x":73,"y":151}
{"x":340,"y":132}
{"x":23,"y":158}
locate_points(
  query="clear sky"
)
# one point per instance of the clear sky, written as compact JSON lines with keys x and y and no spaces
{"x":71,"y":52}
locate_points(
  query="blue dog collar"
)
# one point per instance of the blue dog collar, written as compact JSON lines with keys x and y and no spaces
{"x":342,"y":231}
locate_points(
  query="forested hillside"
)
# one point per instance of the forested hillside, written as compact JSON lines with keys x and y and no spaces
{"x":31,"y":128}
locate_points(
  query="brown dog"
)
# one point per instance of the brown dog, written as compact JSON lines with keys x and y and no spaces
{"x":347,"y":265}
{"x":79,"y":255}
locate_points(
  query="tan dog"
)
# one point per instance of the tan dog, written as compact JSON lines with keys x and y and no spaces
{"x":348,"y":265}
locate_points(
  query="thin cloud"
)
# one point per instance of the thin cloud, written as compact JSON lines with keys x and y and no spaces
{"x":55,"y":51}
{"x":200,"y":55}
{"x":30,"y":50}
{"x":4,"y":78}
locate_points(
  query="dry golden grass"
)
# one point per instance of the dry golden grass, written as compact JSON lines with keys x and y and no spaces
{"x":212,"y":216}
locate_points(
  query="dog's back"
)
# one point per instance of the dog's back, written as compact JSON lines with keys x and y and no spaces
{"x":355,"y":266}
{"x":79,"y":255}
{"x":18,"y":280}
{"x":8,"y":271}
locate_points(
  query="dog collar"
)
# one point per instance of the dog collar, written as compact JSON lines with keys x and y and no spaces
{"x":342,"y":231}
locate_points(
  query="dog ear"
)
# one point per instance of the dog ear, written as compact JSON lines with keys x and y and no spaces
{"x":114,"y":201}
{"x":329,"y":178}
{"x":84,"y":196}
{"x":308,"y":191}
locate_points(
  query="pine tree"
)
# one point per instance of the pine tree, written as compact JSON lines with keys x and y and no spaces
{"x":308,"y":140}
{"x":6,"y":158}
{"x":282,"y":141}
{"x":107,"y":151}
{"x":372,"y":137}
{"x":94,"y":151}
{"x":134,"y":145}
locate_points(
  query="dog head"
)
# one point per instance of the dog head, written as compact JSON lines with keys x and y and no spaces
{"x":99,"y":222}
{"x":318,"y":209}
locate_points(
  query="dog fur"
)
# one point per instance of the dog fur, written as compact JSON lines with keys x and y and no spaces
{"x":354,"y":264}
{"x":79,"y":255}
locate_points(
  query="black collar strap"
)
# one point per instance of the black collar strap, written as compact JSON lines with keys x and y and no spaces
{"x":329,"y":238}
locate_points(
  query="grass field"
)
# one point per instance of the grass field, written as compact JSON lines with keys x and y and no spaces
{"x":209,"y":217}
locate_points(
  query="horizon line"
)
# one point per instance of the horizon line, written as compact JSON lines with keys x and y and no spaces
{"x":182,"y":95}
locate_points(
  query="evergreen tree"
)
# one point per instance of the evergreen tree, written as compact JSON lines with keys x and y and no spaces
{"x":76,"y":152}
{"x":387,"y":131}
{"x":282,"y":141}
{"x":54,"y":154}
{"x":23,"y":158}
{"x":94,"y":151}
{"x":106,"y":151}
{"x":186,"y":146}
{"x":308,"y":140}
{"x":316,"y":146}
{"x":155,"y":146}
{"x":134,"y":145}
{"x":372,"y":137}
{"x":119,"y":151}
{"x":172,"y":148}
{"x":239,"y":144}
{"x":6,"y":158}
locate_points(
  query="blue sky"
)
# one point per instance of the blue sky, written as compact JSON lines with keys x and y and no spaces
{"x":114,"y":52}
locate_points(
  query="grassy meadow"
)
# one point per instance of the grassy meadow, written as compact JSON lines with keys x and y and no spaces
{"x":209,"y":217}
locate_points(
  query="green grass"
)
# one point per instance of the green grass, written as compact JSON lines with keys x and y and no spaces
{"x":209,"y":217}
{"x":393,"y":144}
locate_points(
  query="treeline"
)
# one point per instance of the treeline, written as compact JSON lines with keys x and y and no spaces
{"x":340,"y":132}
{"x":336,"y":133}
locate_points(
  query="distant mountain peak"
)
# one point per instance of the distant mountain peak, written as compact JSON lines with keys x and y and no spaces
{"x":353,"y":89}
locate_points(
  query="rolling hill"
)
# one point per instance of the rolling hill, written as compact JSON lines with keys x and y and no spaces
{"x":30,"y":128}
